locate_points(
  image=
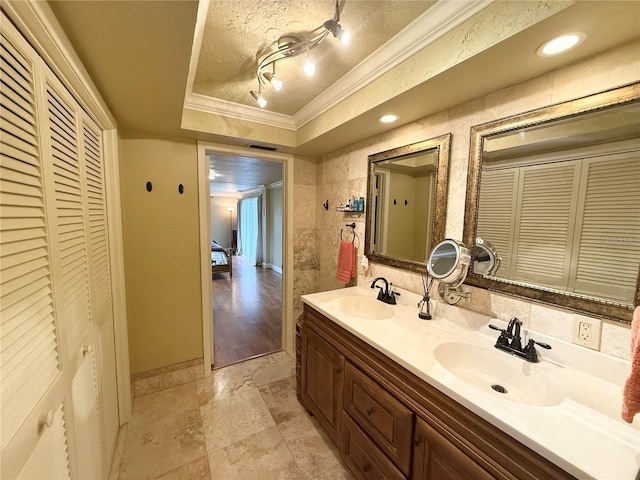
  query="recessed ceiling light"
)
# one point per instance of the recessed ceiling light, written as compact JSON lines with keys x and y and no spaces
{"x":388,"y":118}
{"x":561,"y":44}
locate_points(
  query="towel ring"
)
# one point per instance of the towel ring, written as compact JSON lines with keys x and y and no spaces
{"x":352,"y":226}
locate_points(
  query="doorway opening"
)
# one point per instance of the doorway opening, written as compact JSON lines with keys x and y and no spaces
{"x":248,"y":213}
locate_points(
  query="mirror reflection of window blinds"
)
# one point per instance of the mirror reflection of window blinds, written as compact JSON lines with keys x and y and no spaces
{"x":572,"y":224}
{"x":496,"y":212}
{"x":544,"y":220}
{"x":608,"y":230}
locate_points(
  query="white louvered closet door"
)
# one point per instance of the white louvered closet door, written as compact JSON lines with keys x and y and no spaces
{"x":100,"y":279}
{"x":32,"y":386}
{"x":608,"y":230}
{"x":59,"y":415}
{"x":68,"y":204}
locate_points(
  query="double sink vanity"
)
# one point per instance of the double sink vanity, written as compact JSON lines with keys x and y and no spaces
{"x":409,"y":398}
{"x":552,"y":216}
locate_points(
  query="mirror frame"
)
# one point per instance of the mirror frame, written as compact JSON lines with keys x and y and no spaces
{"x":600,"y":101}
{"x":439,"y":212}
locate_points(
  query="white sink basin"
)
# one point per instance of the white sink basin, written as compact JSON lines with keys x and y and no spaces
{"x":368,"y":308}
{"x":499,"y":373}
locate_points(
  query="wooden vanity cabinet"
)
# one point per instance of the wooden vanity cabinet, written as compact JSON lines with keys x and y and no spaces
{"x":436,"y":458}
{"x":392,"y":425}
{"x":322,"y":382}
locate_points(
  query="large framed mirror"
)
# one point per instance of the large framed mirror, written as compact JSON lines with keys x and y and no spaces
{"x":407,"y":203}
{"x":556,"y":193}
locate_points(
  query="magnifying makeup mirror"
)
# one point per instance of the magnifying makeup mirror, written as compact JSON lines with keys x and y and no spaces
{"x":485,"y":258}
{"x":449,"y":263}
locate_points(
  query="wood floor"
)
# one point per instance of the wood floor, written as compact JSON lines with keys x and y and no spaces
{"x":247,"y":313}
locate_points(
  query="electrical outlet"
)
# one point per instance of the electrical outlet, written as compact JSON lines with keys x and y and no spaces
{"x":586,"y":331}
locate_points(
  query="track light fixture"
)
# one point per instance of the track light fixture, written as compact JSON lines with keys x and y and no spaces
{"x":293,"y":45}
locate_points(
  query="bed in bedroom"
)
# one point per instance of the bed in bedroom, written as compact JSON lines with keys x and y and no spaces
{"x":220,"y":259}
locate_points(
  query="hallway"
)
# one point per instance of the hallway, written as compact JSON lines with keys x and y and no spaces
{"x":247,"y":313}
{"x":244,"y":422}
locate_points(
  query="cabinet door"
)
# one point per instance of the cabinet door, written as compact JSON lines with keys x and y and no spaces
{"x":387,"y":421}
{"x":365,"y":460}
{"x":436,"y":458}
{"x":322,"y":381}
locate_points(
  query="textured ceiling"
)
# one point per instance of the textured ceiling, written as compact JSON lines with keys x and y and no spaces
{"x":239,"y":174}
{"x":236,"y":32}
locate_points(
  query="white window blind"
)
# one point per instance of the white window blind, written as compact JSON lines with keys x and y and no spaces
{"x":29,"y":361}
{"x":545,"y":222}
{"x":608,"y":234}
{"x":496,"y":210}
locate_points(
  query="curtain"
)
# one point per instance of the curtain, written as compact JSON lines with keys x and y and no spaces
{"x":248,"y":229}
{"x":238,"y":221}
{"x":260,"y":235}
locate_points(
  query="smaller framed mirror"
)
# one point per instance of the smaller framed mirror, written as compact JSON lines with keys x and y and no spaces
{"x":407,"y":203}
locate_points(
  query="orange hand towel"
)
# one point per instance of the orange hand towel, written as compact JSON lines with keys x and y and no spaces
{"x":346,"y":262}
{"x":631,"y":392}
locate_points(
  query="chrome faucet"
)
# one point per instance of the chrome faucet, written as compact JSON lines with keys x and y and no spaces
{"x":509,"y":341}
{"x":385,"y":295}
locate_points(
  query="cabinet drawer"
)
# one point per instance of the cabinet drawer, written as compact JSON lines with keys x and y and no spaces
{"x":366,"y":461}
{"x":381,"y":415}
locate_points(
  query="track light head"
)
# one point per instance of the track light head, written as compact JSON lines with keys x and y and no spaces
{"x":258,"y":98}
{"x":309,"y":68}
{"x":337,"y":31}
{"x":275,"y":83}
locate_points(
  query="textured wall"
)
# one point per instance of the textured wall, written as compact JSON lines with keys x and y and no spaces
{"x":344,"y":172}
{"x":305,"y":255}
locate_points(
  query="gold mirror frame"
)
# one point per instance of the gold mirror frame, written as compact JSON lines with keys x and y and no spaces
{"x":438,"y":218}
{"x":589,"y":104}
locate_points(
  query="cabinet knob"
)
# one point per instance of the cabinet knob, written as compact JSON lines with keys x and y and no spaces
{"x":417,"y":441}
{"x":370,"y":411}
{"x":339,"y":369}
{"x":366,"y":468}
{"x":85,"y":350}
{"x":46,"y":419}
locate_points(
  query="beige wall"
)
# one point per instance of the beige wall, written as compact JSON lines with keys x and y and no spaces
{"x":221,"y":226}
{"x":161,"y":252}
{"x":274,"y":226}
{"x":344,"y":172}
{"x":400,"y":222}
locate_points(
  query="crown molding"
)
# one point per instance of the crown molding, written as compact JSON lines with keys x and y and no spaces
{"x":216,"y":106}
{"x":428,"y":27}
{"x":438,"y":20}
{"x":277,"y":184}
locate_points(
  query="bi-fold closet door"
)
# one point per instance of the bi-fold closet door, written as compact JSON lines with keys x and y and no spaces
{"x":59,"y":415}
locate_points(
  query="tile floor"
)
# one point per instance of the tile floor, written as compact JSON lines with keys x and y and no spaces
{"x":242,"y":422}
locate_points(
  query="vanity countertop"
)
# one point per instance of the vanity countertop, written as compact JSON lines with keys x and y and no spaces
{"x":566,"y":408}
